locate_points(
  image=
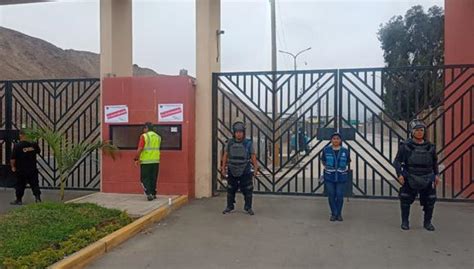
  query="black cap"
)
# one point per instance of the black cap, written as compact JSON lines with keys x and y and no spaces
{"x":148,"y":125}
{"x":336,"y":134}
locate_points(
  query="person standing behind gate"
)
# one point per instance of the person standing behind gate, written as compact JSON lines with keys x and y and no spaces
{"x":335,"y":159}
{"x":416,"y":164}
{"x":238,"y":156}
{"x":23,"y":163}
{"x":148,"y":155}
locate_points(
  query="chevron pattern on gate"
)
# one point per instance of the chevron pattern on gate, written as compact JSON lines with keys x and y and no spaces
{"x":376,"y":103}
{"x":66,"y":106}
{"x":274,"y":106}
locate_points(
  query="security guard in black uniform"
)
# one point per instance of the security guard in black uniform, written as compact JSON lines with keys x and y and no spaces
{"x":416,"y":164}
{"x":23,"y":163}
{"x":239,"y":165}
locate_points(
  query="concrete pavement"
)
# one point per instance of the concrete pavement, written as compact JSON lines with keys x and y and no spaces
{"x":136,"y":205}
{"x":293,"y":232}
{"x":8,"y":194}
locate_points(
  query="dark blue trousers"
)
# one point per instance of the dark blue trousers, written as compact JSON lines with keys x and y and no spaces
{"x":335,"y":192}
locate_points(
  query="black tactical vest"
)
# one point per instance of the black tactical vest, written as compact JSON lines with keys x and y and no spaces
{"x":420,"y":159}
{"x":239,"y":157}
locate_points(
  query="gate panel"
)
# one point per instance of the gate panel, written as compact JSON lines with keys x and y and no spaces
{"x":274,"y":106}
{"x":67,"y":106}
{"x":379,"y":103}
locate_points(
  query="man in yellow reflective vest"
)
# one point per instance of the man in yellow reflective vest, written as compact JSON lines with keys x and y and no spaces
{"x":148,"y":155}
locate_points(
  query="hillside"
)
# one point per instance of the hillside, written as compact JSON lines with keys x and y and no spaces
{"x":26,"y":57}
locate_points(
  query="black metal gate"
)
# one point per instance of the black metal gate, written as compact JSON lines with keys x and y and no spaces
{"x":375,"y":103}
{"x":69,"y":106}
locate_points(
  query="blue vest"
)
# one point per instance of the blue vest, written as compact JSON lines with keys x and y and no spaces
{"x":336,"y":169}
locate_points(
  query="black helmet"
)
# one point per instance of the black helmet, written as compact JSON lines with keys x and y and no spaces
{"x":416,"y":124}
{"x":238,"y":126}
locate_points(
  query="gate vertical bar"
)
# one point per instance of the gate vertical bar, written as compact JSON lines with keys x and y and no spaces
{"x":214,"y":133}
{"x":8,"y":120}
{"x":337,"y":93}
{"x":276,"y":149}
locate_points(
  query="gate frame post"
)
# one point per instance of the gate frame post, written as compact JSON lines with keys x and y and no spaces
{"x":215,"y":155}
{"x":8,"y":120}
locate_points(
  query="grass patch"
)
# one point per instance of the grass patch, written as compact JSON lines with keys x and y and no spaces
{"x":40,"y":234}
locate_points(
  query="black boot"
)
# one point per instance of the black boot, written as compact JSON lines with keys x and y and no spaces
{"x":38,"y":199}
{"x":429,"y":226}
{"x":16,"y":202}
{"x":250,"y":211}
{"x":427,"y":219}
{"x":405,"y":215}
{"x":227,"y":210}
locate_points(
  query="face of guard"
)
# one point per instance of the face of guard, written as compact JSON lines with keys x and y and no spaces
{"x":336,"y":141}
{"x":239,"y":135}
{"x":419,"y":133}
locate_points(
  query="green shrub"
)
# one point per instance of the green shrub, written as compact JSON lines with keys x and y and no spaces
{"x":38,"y":235}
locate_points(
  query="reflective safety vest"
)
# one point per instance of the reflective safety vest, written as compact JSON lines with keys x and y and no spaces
{"x":336,"y":169}
{"x":151,"y":150}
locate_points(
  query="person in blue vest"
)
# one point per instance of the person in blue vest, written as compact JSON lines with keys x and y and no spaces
{"x":335,"y":159}
{"x":239,"y":165}
{"x":300,"y":142}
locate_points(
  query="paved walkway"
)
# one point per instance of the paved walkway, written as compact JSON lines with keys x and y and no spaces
{"x":7,"y":195}
{"x":289,"y":232}
{"x":136,"y":205}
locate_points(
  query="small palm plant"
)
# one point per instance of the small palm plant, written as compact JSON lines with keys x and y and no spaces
{"x":66,"y":153}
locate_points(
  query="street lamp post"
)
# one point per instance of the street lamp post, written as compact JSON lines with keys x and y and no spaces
{"x":295,"y":56}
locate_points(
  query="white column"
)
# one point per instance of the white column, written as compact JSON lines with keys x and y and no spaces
{"x":207,"y":24}
{"x":116,"y":38}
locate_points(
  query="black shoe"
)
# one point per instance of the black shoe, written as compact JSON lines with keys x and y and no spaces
{"x":250,"y":211}
{"x":339,"y":218}
{"x":154,"y":196}
{"x":16,"y":202}
{"x":38,"y":199}
{"x":429,"y":226}
{"x":405,"y":226}
{"x":333,"y":218}
{"x":227,"y":210}
{"x":149,"y":197}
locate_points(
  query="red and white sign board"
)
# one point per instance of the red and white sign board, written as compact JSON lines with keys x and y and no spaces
{"x":116,"y":114}
{"x":170,"y":112}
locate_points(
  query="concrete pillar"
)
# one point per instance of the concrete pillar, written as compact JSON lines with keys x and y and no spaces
{"x":207,"y":61}
{"x":116,"y":38}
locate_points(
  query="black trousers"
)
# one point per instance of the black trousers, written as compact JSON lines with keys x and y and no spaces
{"x":149,"y":177}
{"x":427,"y":200}
{"x":24,"y":178}
{"x":245,"y":184}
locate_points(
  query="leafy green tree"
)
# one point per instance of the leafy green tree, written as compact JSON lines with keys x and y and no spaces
{"x":417,"y":39}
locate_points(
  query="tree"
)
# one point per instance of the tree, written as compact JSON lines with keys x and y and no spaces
{"x":67,"y":154}
{"x":414,"y":40}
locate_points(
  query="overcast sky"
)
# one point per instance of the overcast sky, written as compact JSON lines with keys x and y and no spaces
{"x":342,"y":33}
